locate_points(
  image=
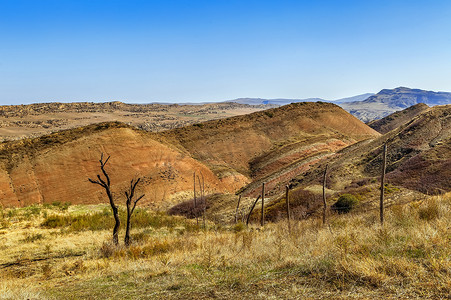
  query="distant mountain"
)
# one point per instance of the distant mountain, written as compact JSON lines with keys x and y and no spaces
{"x":354,"y":98}
{"x":282,"y":101}
{"x":279,"y":101}
{"x":388,"y":101}
{"x":403,"y":97}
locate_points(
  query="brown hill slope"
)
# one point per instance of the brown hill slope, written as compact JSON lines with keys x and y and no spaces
{"x":272,"y":145}
{"x":418,"y":158}
{"x":56,"y":167}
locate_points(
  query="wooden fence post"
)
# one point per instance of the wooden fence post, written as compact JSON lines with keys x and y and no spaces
{"x":195,"y":201}
{"x":201,"y":197}
{"x":384,"y":159}
{"x":287,"y":189}
{"x":324,"y":196}
{"x":237,"y":207}
{"x":262,"y":220}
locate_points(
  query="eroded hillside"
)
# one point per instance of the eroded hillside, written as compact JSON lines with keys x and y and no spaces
{"x":57,"y":167}
{"x":273,"y":146}
{"x":418,"y":157}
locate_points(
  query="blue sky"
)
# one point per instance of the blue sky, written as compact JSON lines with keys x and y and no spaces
{"x":193,"y":51}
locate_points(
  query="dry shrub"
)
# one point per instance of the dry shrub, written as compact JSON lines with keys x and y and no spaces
{"x":46,"y":270}
{"x":151,"y":248}
{"x":158,"y":247}
{"x":107,"y":250}
{"x":302,"y":204}
{"x":188,"y":209}
{"x":240,"y":226}
{"x":32,"y":237}
{"x":430,"y":211}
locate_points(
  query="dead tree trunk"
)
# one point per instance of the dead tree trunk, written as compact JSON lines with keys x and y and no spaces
{"x":324,"y":196}
{"x":237,"y":208}
{"x":381,"y":202}
{"x":252,"y":208}
{"x":105,"y":183}
{"x":287,"y":189}
{"x":129,"y":197}
{"x":262,"y":219}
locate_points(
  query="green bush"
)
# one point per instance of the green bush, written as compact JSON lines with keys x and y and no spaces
{"x":345,"y":203}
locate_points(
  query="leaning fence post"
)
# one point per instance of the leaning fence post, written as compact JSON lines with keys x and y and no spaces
{"x":252,"y":208}
{"x":262,"y":220}
{"x":287,"y":189}
{"x":381,"y":203}
{"x":237,"y":207}
{"x":324,"y":196}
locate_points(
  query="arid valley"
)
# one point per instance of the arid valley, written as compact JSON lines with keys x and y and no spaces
{"x":225,"y":149}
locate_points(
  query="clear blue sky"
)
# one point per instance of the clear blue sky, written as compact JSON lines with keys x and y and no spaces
{"x":179,"y":51}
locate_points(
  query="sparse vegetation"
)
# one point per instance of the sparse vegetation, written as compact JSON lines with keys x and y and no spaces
{"x":345,"y":203}
{"x":409,"y":258}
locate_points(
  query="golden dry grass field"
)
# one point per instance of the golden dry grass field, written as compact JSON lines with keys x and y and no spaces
{"x":62,"y":251}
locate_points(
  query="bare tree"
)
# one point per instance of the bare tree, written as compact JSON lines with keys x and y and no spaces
{"x":105,"y":183}
{"x":129,"y":196}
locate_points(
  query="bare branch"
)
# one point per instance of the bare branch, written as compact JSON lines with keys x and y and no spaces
{"x":136,"y":201}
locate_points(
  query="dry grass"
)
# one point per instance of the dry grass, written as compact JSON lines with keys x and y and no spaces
{"x":353,"y":257}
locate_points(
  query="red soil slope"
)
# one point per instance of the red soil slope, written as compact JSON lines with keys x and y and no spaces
{"x":272,"y":145}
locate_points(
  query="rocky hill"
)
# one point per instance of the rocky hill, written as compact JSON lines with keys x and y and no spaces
{"x":403,"y":97}
{"x":230,"y":153}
